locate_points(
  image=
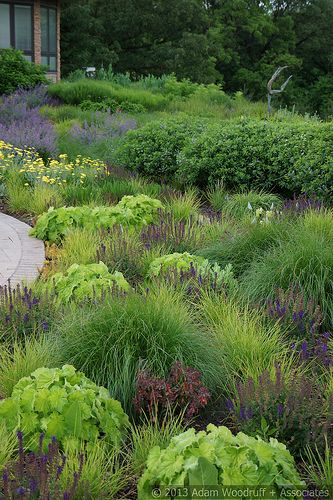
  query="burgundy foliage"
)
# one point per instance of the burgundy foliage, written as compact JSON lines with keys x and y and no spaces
{"x":182,"y":390}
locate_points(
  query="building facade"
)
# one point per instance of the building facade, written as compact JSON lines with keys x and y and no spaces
{"x":33,"y":26}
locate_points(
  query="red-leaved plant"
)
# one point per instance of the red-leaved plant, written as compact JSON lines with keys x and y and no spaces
{"x":183,"y":390}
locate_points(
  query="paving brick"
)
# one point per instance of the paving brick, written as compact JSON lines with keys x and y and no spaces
{"x":21,"y":256}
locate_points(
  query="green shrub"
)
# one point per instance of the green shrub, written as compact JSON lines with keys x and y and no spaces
{"x":217,"y":457}
{"x":16,"y":71}
{"x":285,"y":157}
{"x":152,"y":150}
{"x":65,"y":404}
{"x":53,"y":225}
{"x":86,"y":282}
{"x":113,"y":341}
{"x":98,"y":91}
{"x":303,"y":258}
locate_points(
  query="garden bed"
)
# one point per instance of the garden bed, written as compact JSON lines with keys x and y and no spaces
{"x":167,"y":305}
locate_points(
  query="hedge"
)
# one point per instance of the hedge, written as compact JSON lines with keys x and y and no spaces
{"x":283,"y":157}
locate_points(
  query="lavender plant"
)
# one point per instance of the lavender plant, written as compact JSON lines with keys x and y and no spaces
{"x":31,"y":130}
{"x":300,"y":316}
{"x":174,"y":235}
{"x":23,"y":311}
{"x":302,"y":320}
{"x":22,"y":125}
{"x":39,"y":475}
{"x":299,"y":204}
{"x":102,"y":126}
{"x":285,"y":408}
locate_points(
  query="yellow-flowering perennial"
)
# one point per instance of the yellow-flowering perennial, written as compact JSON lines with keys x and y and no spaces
{"x":53,"y":172}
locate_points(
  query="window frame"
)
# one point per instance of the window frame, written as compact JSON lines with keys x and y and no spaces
{"x":28,"y":3}
{"x":48,"y":53}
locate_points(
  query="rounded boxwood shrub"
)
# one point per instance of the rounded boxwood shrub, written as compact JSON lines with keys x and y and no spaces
{"x":217,"y":458}
{"x":15,"y":71}
{"x":152,"y":150}
{"x":65,"y":404}
{"x":249,"y":153}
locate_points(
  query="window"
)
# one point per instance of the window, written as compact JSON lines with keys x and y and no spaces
{"x":23,"y":27}
{"x":16,"y":27}
{"x":4,"y":26}
{"x":49,"y":37}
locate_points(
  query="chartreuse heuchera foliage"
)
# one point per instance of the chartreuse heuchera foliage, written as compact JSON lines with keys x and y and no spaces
{"x":192,"y":264}
{"x":87,"y":281}
{"x":53,"y":225}
{"x":64,"y":403}
{"x":217,"y":458}
{"x":180,"y":261}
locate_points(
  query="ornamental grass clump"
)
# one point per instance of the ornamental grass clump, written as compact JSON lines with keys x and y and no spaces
{"x":63,"y":403}
{"x":183,"y":205}
{"x":111,"y":343}
{"x":245,"y":204}
{"x":246,"y":344}
{"x":245,"y":242}
{"x":304,"y":257}
{"x":216,"y":458}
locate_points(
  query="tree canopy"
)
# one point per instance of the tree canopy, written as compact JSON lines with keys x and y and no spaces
{"x":235,"y":42}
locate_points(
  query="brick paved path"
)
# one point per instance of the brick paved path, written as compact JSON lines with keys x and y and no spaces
{"x":20,"y":255}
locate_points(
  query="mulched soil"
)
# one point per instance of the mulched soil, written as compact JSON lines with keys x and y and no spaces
{"x":27,"y":218}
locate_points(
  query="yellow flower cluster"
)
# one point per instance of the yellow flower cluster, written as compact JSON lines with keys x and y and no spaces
{"x":52,"y":172}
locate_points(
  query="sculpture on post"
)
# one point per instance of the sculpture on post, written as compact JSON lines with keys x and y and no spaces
{"x":271,"y":91}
